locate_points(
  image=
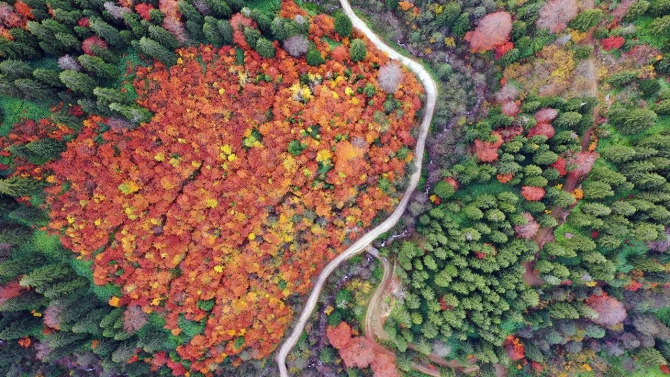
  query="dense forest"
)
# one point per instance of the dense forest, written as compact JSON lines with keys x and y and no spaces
{"x":174,"y":174}
{"x":538,"y":246}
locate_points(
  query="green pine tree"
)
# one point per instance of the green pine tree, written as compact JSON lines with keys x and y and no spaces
{"x":157,"y":51}
{"x":357,"y":50}
{"x":78,"y":82}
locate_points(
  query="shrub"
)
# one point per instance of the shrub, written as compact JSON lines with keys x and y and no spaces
{"x":314,"y":58}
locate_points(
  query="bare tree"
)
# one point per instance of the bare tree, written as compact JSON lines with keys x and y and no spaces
{"x":556,"y":14}
{"x":389,"y":76}
{"x":67,"y":62}
{"x":296,"y":45}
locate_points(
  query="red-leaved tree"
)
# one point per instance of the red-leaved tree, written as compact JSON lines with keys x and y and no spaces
{"x":532,"y":194}
{"x":493,"y":30}
{"x":610,"y":310}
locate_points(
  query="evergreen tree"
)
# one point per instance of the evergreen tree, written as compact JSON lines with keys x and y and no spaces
{"x":226,"y":31}
{"x":98,"y":67}
{"x":34,"y":89}
{"x":78,"y":82}
{"x":49,"y":77}
{"x":133,"y":113}
{"x":586,"y":19}
{"x":47,"y":148}
{"x":155,"y":50}
{"x":219,"y":8}
{"x":343,"y":25}
{"x":265,"y":48}
{"x":251,"y":36}
{"x":107,"y":96}
{"x":136,"y":24}
{"x":314,"y":58}
{"x":15,"y":69}
{"x":162,"y":36}
{"x":357,"y":50}
{"x":19,"y":186}
{"x":636,"y":10}
{"x":107,"y":32}
{"x":210,"y":30}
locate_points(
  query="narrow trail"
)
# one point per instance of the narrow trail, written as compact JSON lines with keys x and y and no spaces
{"x":372,"y":323}
{"x":364,"y":241}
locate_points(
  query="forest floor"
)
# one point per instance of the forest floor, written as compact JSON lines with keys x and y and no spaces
{"x":360,"y":245}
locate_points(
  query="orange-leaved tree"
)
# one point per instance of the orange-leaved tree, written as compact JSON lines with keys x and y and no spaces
{"x":249,"y":178}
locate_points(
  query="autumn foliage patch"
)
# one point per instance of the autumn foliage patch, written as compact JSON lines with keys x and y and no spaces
{"x":360,"y":352}
{"x":249,"y":178}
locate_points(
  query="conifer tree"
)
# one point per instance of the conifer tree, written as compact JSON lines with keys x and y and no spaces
{"x":106,"y":31}
{"x":343,"y":25}
{"x":78,"y":82}
{"x":357,"y":50}
{"x":164,"y":37}
{"x":34,"y":90}
{"x":19,"y":186}
{"x":219,"y":8}
{"x":155,"y":50}
{"x":15,"y":69}
{"x":265,"y":48}
{"x":210,"y":29}
{"x":48,"y":76}
{"x":98,"y":67}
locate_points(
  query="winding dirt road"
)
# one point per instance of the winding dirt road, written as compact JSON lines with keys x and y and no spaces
{"x":363,"y":242}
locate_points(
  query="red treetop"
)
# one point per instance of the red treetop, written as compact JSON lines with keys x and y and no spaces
{"x":11,"y":290}
{"x":503,"y":49}
{"x":610,"y":310}
{"x":339,"y":336}
{"x":514,"y":348}
{"x":143,"y":10}
{"x":532,"y":194}
{"x":510,"y":108}
{"x":584,"y":162}
{"x":90,"y":42}
{"x":613,"y":43}
{"x":359,"y":353}
{"x":487,"y":151}
{"x":452,"y":182}
{"x":542,"y":129}
{"x":560,"y":166}
{"x":493,"y":30}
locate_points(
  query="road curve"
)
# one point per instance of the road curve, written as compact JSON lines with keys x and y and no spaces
{"x":363,"y":242}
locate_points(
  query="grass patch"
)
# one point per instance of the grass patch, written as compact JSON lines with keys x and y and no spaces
{"x":269,"y":7}
{"x":15,"y":110}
